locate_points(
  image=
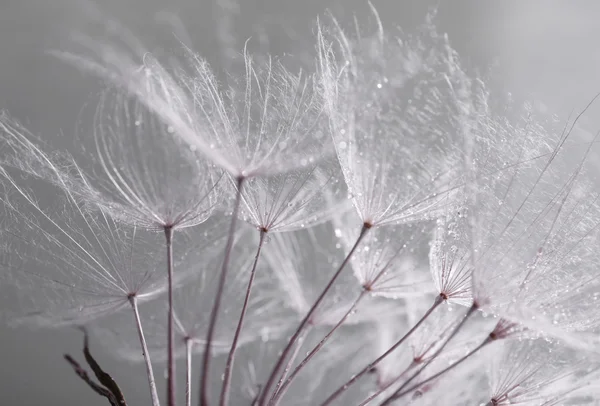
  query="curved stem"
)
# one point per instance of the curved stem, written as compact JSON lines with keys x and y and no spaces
{"x":398,"y":394}
{"x":263,"y":397}
{"x":149,"y":371}
{"x":230,"y":357}
{"x":219,"y":295}
{"x":188,"y":373}
{"x":289,"y":364}
{"x":344,"y":387}
{"x":316,"y":349}
{"x":434,"y":356}
{"x":170,"y":324}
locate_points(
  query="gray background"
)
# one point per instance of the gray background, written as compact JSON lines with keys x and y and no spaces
{"x":545,"y":49}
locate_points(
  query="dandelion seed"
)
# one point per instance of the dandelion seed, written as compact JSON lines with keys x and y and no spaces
{"x":543,"y":246}
{"x":151,"y":178}
{"x":520,"y":373}
{"x":85,"y":263}
{"x":450,"y":260}
{"x":240,"y":126}
{"x":294,"y":200}
{"x":393,"y":105}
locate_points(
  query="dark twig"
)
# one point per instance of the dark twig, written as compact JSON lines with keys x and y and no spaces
{"x":104,"y":378}
{"x":82,"y":373}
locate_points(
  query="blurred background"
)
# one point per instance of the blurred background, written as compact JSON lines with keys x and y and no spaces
{"x":546,"y":50}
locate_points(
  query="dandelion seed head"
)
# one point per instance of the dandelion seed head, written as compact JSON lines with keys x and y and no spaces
{"x":465,"y":197}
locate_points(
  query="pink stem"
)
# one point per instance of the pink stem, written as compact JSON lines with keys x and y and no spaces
{"x":369,"y":367}
{"x":145,"y":353}
{"x":231,"y":356}
{"x":170,"y":329}
{"x":398,"y":394}
{"x":316,"y":349}
{"x":434,"y":356}
{"x":305,"y":321}
{"x":291,"y":360}
{"x":188,"y":373}
{"x":217,"y":303}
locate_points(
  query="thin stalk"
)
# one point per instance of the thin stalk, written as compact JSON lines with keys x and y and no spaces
{"x":170,"y":323}
{"x":316,"y":349}
{"x":188,"y":375}
{"x":263,"y":397}
{"x":365,"y":370}
{"x":383,"y":388}
{"x":145,"y":353}
{"x":219,"y":295}
{"x":231,"y":356}
{"x":289,"y":364}
{"x":398,"y":394}
{"x":434,"y":356}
